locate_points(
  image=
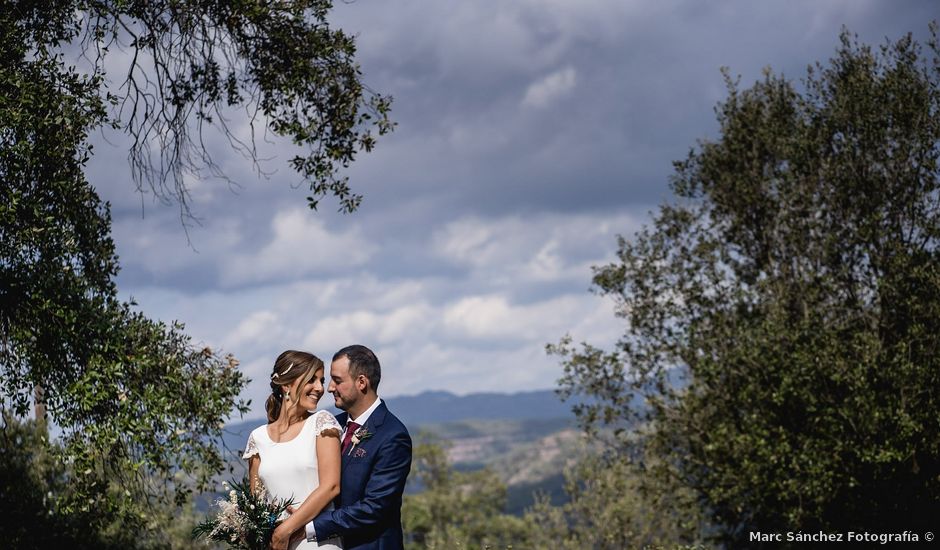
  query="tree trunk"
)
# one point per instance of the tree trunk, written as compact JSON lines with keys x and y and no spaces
{"x":39,"y":405}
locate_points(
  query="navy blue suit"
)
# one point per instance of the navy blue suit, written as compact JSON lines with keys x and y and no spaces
{"x":368,"y":509}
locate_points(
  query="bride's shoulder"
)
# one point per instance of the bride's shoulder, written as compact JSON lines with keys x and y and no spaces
{"x":323,"y":413}
{"x":325,"y":423}
{"x":256,"y":437}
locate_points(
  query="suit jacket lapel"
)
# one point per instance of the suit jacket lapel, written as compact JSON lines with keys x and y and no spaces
{"x":373,"y":424}
{"x":378,"y":416}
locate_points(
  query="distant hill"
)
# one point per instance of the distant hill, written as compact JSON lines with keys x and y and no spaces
{"x":441,"y":407}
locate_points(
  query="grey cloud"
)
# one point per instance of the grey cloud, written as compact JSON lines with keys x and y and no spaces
{"x":616,"y":91}
{"x":648,"y":77}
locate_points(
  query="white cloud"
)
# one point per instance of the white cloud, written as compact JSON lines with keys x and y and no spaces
{"x":537,"y":248}
{"x":254,"y":328}
{"x":546,"y":90}
{"x":467,"y":241}
{"x":494,"y":318}
{"x":300,"y":245}
{"x":481,"y":317}
{"x":403,"y":322}
{"x":547,"y":262}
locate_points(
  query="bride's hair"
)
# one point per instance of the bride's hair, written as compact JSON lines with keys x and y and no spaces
{"x":288,"y":367}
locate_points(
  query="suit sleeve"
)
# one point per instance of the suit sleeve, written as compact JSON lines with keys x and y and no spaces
{"x":383,"y":492}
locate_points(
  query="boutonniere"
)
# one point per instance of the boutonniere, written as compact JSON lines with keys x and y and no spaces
{"x":359,"y":436}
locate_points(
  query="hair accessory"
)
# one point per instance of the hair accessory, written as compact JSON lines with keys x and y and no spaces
{"x":275,"y":375}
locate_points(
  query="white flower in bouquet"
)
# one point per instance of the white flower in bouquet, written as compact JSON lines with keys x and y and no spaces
{"x":246,"y":519}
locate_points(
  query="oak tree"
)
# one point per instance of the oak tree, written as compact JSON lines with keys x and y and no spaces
{"x":783,"y":313}
{"x":133,"y":406}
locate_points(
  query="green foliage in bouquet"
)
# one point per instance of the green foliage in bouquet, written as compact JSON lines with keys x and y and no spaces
{"x":246,"y":519}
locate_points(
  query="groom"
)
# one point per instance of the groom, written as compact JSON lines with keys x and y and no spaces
{"x":376,"y":459}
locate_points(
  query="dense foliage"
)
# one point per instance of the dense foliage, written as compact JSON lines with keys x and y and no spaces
{"x":177,"y":73}
{"x":610,"y":505}
{"x":783,"y":315}
{"x":133,"y":407}
{"x":133,"y":404}
{"x":128,"y":409}
{"x":450,"y":509}
{"x":607,"y":507}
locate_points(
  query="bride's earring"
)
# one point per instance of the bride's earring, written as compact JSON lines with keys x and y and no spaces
{"x":287,"y":396}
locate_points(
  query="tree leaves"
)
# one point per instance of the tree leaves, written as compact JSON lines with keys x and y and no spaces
{"x":134,"y":405}
{"x":178,"y":72}
{"x":796,"y":290}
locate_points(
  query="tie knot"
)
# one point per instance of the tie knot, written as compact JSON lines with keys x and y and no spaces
{"x":351,"y":428}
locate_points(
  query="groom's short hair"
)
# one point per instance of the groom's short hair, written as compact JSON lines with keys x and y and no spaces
{"x":362,"y":361}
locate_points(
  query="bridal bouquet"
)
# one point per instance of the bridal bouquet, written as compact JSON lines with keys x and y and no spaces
{"x":245,"y":520}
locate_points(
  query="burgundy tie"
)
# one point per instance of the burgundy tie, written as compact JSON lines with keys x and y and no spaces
{"x":351,"y":428}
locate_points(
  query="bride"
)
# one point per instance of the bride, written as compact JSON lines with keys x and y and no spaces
{"x":296,"y":454}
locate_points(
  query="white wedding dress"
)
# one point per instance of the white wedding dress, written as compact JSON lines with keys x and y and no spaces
{"x":289,"y":468}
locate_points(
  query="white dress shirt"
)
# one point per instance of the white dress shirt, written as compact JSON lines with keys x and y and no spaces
{"x":364,"y":417}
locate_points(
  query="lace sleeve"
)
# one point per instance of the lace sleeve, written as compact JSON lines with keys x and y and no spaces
{"x":251,"y":449}
{"x":326,"y":424}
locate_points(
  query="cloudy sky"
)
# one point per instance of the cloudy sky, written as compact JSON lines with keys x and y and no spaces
{"x":530,"y":133}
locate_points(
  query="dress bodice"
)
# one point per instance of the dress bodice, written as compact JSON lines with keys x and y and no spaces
{"x":289,"y":468}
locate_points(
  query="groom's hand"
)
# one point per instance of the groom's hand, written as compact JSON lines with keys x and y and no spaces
{"x":290,"y":510}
